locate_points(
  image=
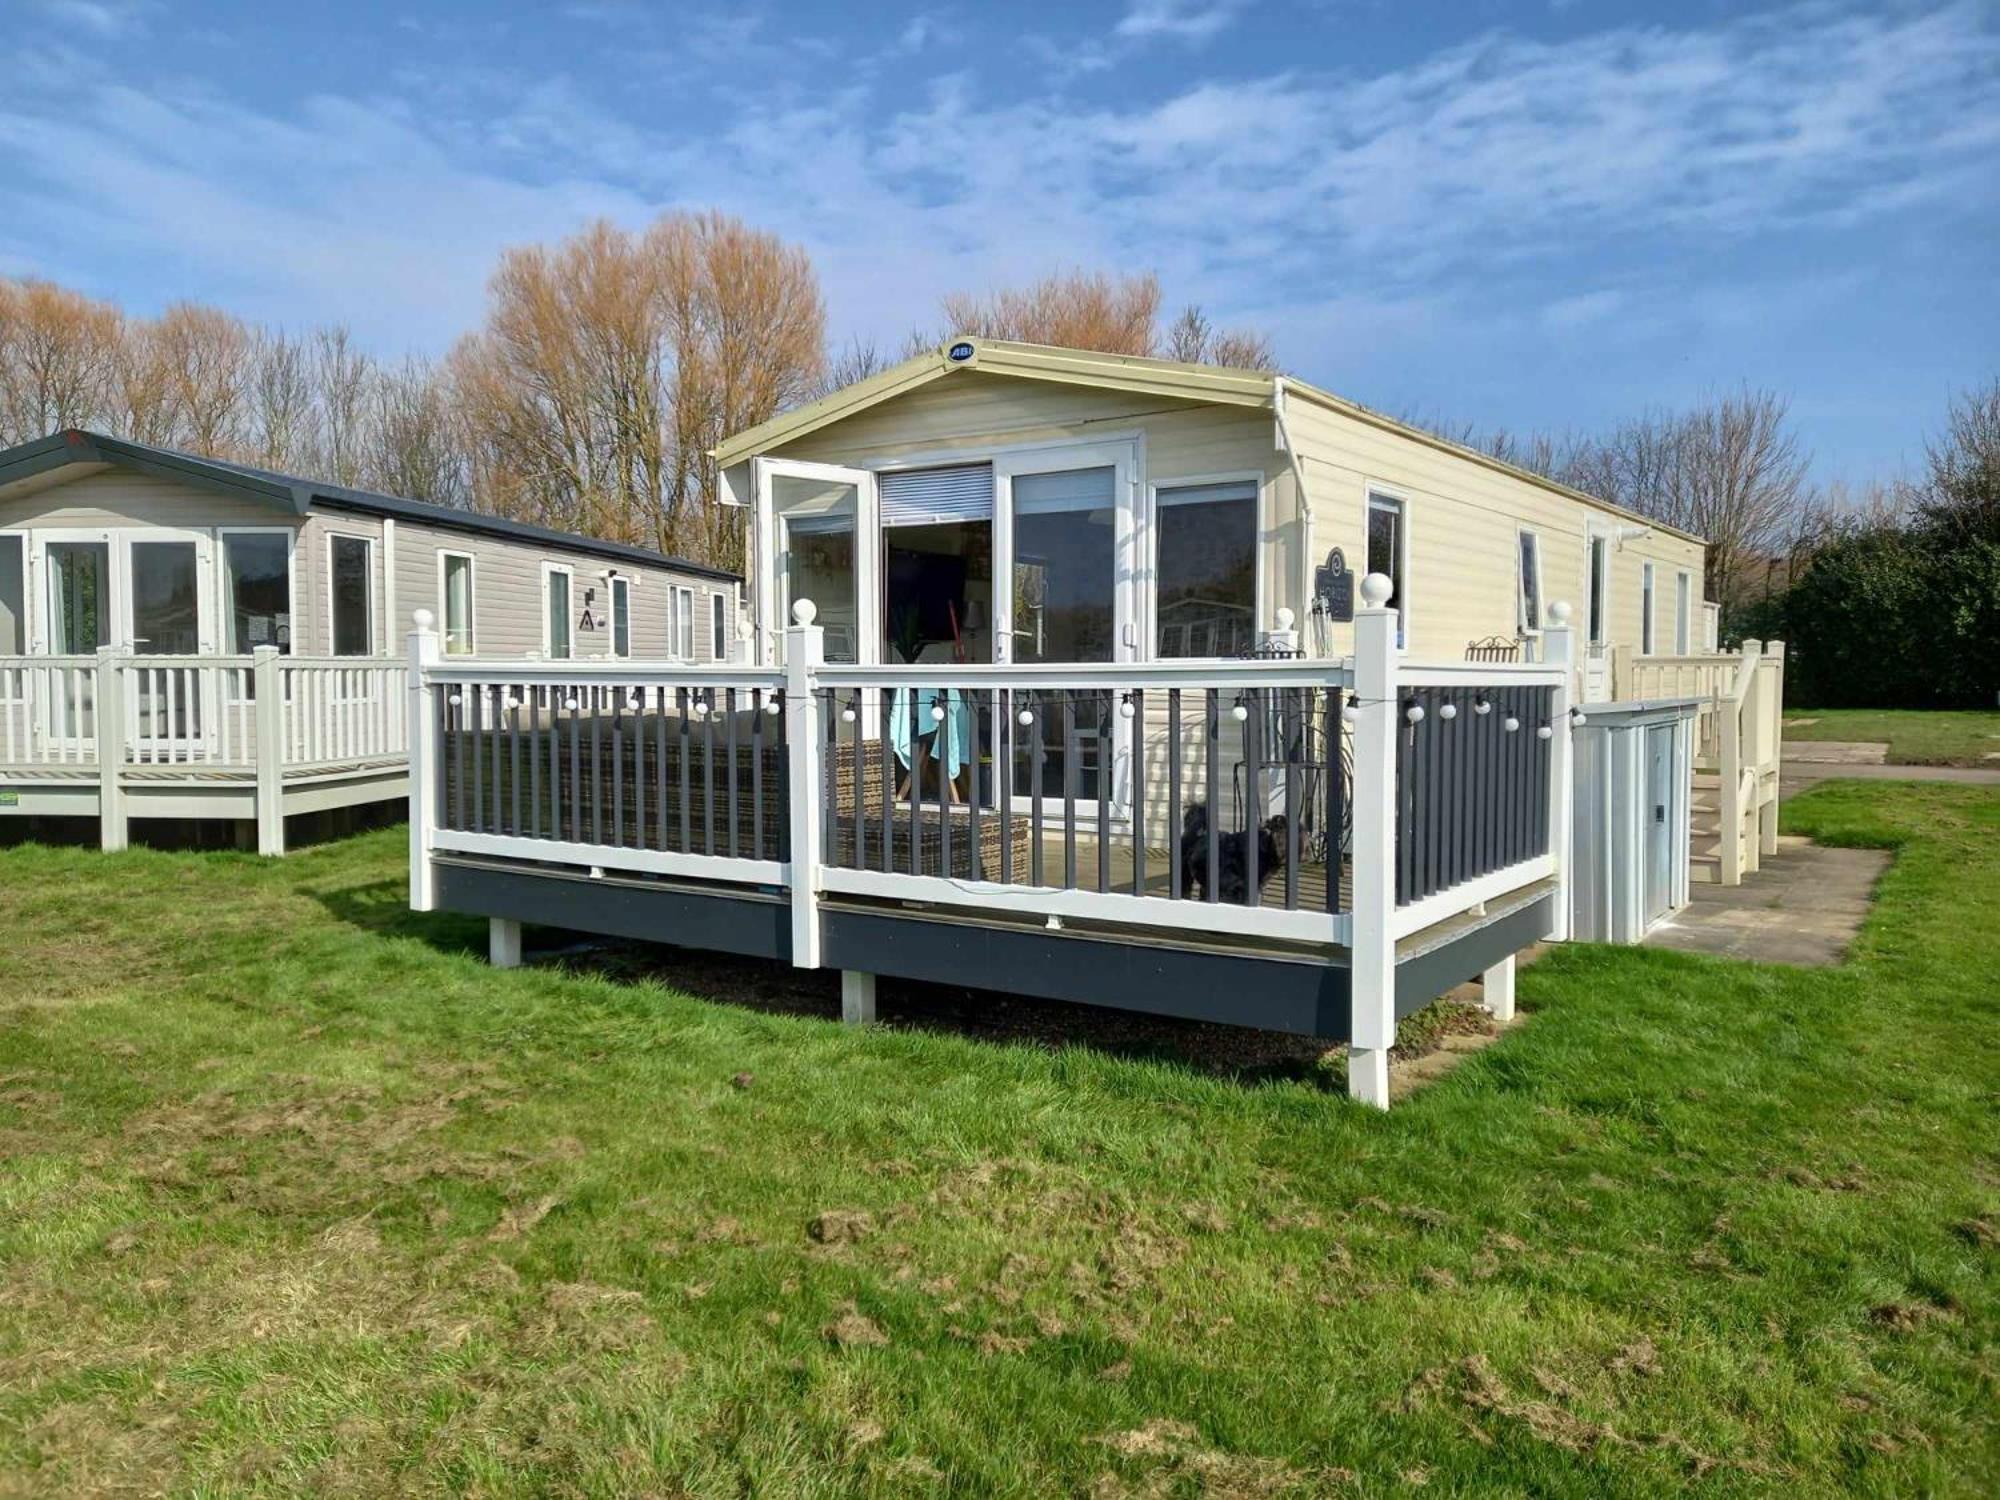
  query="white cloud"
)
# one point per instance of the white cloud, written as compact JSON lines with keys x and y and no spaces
{"x":1179,"y":20}
{"x":1299,"y":199}
{"x":103,"y":20}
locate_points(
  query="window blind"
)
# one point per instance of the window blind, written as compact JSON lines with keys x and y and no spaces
{"x":931,"y":497}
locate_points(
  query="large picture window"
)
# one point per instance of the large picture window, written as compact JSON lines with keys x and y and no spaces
{"x":456,"y":587}
{"x":257,"y":589}
{"x":352,"y":585}
{"x":1206,"y":569}
{"x":1388,"y":545}
{"x":1065,"y":576}
{"x":556,"y":614}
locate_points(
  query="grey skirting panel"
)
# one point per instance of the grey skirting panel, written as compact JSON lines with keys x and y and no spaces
{"x":1422,"y":977}
{"x":1303,"y":997}
{"x":749,"y":923}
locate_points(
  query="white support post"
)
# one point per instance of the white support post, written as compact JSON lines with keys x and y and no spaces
{"x":805,"y":649}
{"x":1497,"y":990}
{"x":108,"y":698}
{"x":503,"y":943}
{"x":423,"y":762}
{"x":1372,"y":951}
{"x":1559,"y":649}
{"x":857,"y":997}
{"x":268,"y":688}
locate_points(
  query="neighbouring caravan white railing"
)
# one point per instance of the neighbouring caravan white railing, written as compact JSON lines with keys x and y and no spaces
{"x":1739,"y":736}
{"x":114,"y":717}
{"x":1349,"y":804}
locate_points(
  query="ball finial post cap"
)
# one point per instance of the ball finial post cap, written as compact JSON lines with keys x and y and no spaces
{"x":1559,"y":614}
{"x":424,"y":619}
{"x":805,"y":611}
{"x":1285,"y":618}
{"x":1376,"y":589}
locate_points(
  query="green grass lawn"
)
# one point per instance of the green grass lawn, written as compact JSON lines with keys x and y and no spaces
{"x":297,"y":1196}
{"x":1915,"y":736}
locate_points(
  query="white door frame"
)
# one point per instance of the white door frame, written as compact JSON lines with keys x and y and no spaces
{"x":1129,"y":548}
{"x":771,"y":542}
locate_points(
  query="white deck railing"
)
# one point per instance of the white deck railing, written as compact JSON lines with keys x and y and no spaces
{"x":1739,"y":733}
{"x":1342,"y":804}
{"x":116,"y":717}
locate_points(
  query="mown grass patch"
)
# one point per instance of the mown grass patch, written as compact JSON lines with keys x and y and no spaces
{"x":1915,"y":736}
{"x":297,"y":1195}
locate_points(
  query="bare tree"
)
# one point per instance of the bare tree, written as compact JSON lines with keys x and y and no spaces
{"x":341,"y":377}
{"x":1112,"y":314}
{"x":1960,"y":494}
{"x":58,"y":359}
{"x":611,"y":364}
{"x":206,"y":356}
{"x":283,"y":419}
{"x":857,"y":360}
{"x":1193,"y":340}
{"x":416,"y":448}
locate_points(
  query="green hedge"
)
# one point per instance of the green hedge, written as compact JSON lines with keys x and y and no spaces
{"x":1892,"y":617}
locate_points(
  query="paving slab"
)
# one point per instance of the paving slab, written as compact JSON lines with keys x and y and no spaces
{"x":1836,"y":752}
{"x":1796,"y":776}
{"x":1803,"y":907}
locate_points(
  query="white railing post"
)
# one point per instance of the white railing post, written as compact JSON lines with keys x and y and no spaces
{"x":1729,"y":766}
{"x":268,"y":691}
{"x":805,"y":649}
{"x":1372,"y":949}
{"x":424,"y":654}
{"x":108,"y":704}
{"x":1559,"y":649}
{"x":1773,"y":747}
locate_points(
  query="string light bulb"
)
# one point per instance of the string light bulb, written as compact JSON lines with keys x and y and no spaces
{"x":1447,"y":711}
{"x":1544,"y":732}
{"x":1125,"y":709}
{"x":1026,"y":717}
{"x":1510,"y":723}
{"x":1414,"y":712}
{"x":1482,"y":706}
{"x":1239,"y":713}
{"x":1350,"y":713}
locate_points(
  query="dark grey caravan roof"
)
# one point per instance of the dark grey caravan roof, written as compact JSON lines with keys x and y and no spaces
{"x":298,"y":495}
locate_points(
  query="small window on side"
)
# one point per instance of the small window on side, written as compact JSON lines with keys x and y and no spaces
{"x":1529,"y":590}
{"x":718,"y":618}
{"x":1646,"y":610}
{"x":457,"y":587}
{"x":556,"y":621}
{"x":353,"y":587}
{"x":1388,"y":546}
{"x":621,"y":617}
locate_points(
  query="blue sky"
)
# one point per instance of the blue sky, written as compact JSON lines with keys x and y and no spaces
{"x":1530,"y":215}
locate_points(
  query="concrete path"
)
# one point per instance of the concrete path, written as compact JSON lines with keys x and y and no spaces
{"x":1794,"y":776}
{"x":1803,"y":907}
{"x":1837,"y":752}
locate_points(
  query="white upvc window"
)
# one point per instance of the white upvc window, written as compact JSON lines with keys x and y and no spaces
{"x":1205,"y":567}
{"x":350,"y":594}
{"x":718,"y":626}
{"x":558,"y":585}
{"x":621,"y":616}
{"x":1597,"y":585}
{"x":1388,"y":551}
{"x":258,"y":587}
{"x":1528,"y":583}
{"x":456,"y":607}
{"x":1681,"y":614}
{"x":681,"y":621}
{"x":1646,"y":609}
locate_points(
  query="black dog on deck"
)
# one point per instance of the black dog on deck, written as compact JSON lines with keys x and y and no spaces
{"x":1232,"y":856}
